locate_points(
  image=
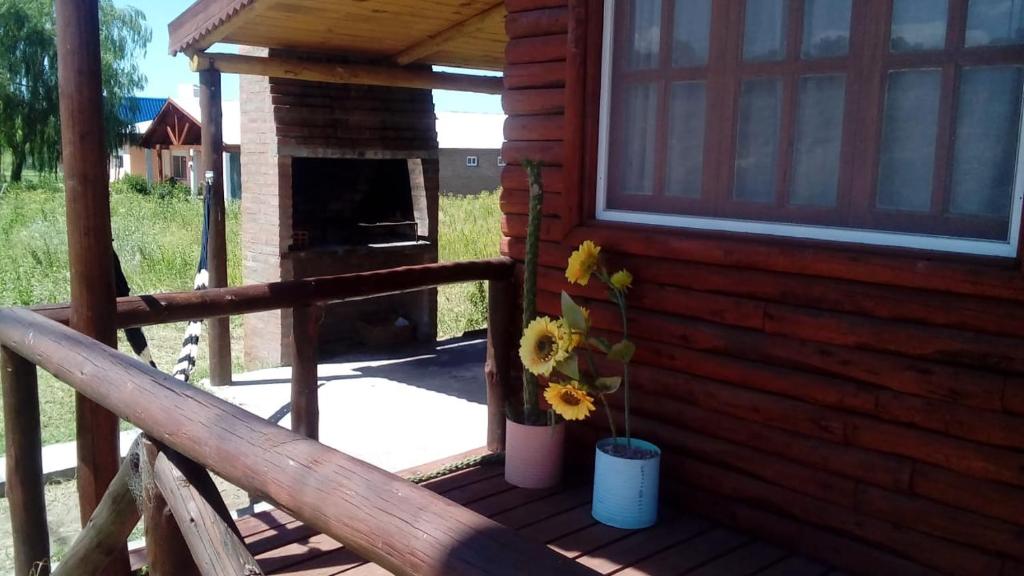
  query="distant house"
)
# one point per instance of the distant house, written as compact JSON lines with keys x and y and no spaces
{"x":168,"y":139}
{"x":470,"y":151}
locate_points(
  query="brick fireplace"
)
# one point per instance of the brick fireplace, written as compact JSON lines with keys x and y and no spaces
{"x":338,"y":179}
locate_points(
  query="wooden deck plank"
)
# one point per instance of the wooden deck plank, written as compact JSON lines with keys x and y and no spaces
{"x":795,"y":566}
{"x":742,"y":561}
{"x":280,"y":536}
{"x":509,"y":500}
{"x":690,"y":554}
{"x":544,"y":508}
{"x":587,"y":540}
{"x":639,"y":545}
{"x":560,"y":525}
{"x":561,"y":518}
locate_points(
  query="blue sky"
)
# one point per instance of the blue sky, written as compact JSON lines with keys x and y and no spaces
{"x":165,"y":72}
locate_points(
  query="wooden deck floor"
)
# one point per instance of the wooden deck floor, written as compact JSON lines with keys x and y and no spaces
{"x":678,"y":544}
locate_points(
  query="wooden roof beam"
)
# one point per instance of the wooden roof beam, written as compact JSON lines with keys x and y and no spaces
{"x":371,"y":75}
{"x":435,"y":43}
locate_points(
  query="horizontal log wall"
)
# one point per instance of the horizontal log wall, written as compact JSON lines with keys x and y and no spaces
{"x":864,"y":407}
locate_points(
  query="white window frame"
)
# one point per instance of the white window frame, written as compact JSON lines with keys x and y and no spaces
{"x":979,"y":247}
{"x":501,"y":161}
{"x":472,"y":161}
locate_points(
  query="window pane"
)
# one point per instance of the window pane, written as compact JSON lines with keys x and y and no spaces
{"x":918,"y":25}
{"x":692,"y":28}
{"x":987,"y":129}
{"x":686,"y":139}
{"x":995,"y":22}
{"x":909,"y":128}
{"x":826,"y":28}
{"x":764,"y":35}
{"x":757,"y":139}
{"x":644,"y":35}
{"x":819,"y":136}
{"x":638,"y":129}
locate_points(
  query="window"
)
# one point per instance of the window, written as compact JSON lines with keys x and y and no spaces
{"x":782,"y":121}
{"x":472,"y":161}
{"x":179,"y":168}
{"x":501,"y":161}
{"x":118,"y":161}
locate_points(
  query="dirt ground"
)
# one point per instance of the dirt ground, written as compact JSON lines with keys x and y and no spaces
{"x":62,"y":517}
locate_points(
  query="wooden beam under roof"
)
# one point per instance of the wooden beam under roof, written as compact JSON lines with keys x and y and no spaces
{"x":372,"y":75}
{"x":438,"y":41}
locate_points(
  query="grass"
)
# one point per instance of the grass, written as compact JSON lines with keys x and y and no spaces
{"x":157,"y":241}
{"x":469,"y":229}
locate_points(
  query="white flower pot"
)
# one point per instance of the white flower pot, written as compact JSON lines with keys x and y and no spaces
{"x":625,"y":489}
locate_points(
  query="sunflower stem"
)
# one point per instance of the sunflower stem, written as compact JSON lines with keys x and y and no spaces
{"x":531,"y":402}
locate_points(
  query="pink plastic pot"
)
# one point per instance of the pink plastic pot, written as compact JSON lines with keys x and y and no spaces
{"x":533,"y":454}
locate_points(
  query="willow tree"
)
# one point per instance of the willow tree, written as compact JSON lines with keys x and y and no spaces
{"x":29,"y":108}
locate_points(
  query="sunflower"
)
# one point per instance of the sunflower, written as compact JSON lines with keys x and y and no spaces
{"x":545,"y":342}
{"x":570,"y":400}
{"x":622,"y":280}
{"x":582,"y":263}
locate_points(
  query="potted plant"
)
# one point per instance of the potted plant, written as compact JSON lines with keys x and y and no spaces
{"x":534,"y":436}
{"x":626,"y":469}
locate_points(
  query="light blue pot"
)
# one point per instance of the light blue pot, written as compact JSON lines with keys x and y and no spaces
{"x":626,"y":491}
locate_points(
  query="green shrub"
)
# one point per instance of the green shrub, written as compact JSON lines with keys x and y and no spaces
{"x":171,"y":189}
{"x":131,"y":184}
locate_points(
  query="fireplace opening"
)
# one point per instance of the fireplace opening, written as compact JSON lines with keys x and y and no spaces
{"x":338,"y":202}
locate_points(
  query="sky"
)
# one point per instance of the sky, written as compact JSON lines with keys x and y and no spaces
{"x":165,"y":73}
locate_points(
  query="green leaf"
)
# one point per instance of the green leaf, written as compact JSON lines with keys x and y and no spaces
{"x":600,"y":343}
{"x":607,"y":385}
{"x":572,"y":314}
{"x":622,"y":351}
{"x":570,"y":367}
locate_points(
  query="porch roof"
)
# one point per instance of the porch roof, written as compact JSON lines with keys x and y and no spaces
{"x":463,"y":33}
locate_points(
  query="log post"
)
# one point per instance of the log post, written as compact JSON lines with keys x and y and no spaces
{"x":214,"y":544}
{"x":25,"y":495}
{"x":501,"y":305}
{"x":305,"y":401}
{"x":212,"y":163}
{"x":165,"y":546}
{"x":101,"y":542}
{"x":89,"y":235}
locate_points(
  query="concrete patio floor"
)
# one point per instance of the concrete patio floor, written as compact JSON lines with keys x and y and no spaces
{"x":394,"y":408}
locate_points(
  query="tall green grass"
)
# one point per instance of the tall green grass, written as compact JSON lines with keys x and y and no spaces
{"x":469,"y":229}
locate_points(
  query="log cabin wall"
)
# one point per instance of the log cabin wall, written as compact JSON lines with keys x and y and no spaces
{"x":285,"y":119}
{"x":865,"y":407}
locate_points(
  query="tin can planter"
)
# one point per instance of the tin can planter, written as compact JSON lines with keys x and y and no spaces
{"x":626,"y":484}
{"x":533,"y":454}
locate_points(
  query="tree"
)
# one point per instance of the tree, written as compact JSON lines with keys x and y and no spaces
{"x":29,"y":106}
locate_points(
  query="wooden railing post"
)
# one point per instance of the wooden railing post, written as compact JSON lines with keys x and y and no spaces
{"x":501,"y":305}
{"x":165,"y":546}
{"x":212,"y":161}
{"x":86,"y":190}
{"x":24,"y":449}
{"x":305,"y":354}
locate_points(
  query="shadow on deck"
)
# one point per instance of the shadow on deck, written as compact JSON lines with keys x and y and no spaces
{"x":679,"y":544}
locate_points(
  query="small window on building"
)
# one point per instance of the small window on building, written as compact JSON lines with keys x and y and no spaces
{"x":787,"y":138}
{"x":179,"y":167}
{"x":118,"y":161}
{"x":472,"y":161}
{"x":501,"y":161}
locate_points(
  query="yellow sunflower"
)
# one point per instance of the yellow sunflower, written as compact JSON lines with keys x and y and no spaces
{"x":582,"y":263}
{"x":622,"y":280}
{"x":545,"y":342}
{"x":570,"y":400}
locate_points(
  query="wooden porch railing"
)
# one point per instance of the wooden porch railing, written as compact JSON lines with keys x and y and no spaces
{"x":404,"y":528}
